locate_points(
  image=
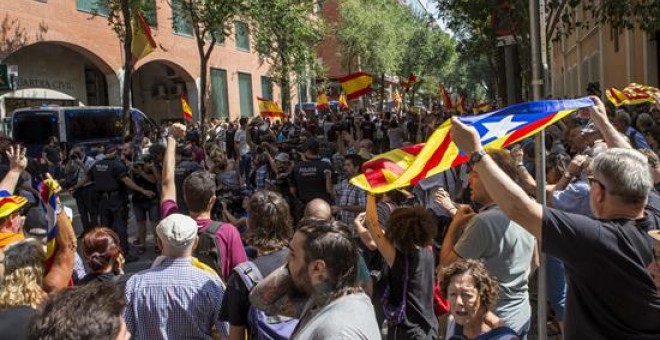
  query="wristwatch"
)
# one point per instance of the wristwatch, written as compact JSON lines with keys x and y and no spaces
{"x":475,"y":157}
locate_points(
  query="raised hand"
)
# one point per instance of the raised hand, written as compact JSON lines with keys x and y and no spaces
{"x":17,"y":159}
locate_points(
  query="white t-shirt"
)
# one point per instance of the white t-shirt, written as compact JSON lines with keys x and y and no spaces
{"x":241,"y":138}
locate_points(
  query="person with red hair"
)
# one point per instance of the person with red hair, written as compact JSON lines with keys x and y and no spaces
{"x":102,"y":255}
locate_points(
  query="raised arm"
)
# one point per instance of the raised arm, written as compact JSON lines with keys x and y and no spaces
{"x":612,"y":137}
{"x":17,"y":163}
{"x":510,"y":197}
{"x":168,"y":188}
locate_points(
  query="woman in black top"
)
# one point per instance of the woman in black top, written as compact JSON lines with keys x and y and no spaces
{"x":102,"y":255}
{"x":406,"y":248}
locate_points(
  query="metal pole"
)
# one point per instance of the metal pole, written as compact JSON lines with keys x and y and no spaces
{"x":538,"y":51}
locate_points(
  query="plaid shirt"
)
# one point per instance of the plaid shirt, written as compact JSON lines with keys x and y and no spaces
{"x":348,"y":194}
{"x":174,"y":300}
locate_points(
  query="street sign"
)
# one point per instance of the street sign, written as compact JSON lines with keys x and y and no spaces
{"x":5,"y":84}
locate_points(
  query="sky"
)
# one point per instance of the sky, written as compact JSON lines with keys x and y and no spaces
{"x":431,"y":7}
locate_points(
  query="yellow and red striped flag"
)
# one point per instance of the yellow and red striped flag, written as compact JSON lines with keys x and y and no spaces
{"x":322,"y":101}
{"x":185,"y":108}
{"x":633,"y":94}
{"x":406,"y":166}
{"x":142,"y":42}
{"x":343,"y":103}
{"x":483,"y":107}
{"x":356,"y":84}
{"x":460,"y":104}
{"x":270,"y":109}
{"x":446,"y":97}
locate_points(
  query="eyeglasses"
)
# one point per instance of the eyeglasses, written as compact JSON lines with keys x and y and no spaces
{"x":591,"y":180}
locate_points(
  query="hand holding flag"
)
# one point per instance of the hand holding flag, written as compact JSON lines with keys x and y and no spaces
{"x":465,"y":137}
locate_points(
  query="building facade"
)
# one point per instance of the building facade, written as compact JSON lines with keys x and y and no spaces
{"x":598,"y":53}
{"x":67,"y":56}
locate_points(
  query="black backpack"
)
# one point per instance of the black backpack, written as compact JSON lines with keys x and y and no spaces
{"x":208,"y":251}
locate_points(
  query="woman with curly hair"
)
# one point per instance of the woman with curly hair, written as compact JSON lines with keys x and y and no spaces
{"x":21,"y":291}
{"x":102,"y":255}
{"x":406,"y":247}
{"x":270,"y":227}
{"x":472,"y":295}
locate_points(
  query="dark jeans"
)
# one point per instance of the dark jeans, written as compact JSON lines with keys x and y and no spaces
{"x":87,"y":207}
{"x":113,"y":212}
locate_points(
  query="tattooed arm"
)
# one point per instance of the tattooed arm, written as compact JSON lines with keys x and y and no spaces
{"x":272,"y":295}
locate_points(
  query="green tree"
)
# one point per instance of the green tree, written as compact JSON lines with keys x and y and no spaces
{"x":211,"y":22}
{"x":643,"y":14}
{"x":285,"y":33}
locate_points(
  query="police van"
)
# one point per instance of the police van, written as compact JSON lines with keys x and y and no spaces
{"x":73,"y":125}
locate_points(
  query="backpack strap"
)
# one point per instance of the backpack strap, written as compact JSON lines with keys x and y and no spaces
{"x":214,"y":227}
{"x":249,"y":273}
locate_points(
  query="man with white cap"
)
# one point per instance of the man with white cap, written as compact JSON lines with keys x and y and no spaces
{"x":174,"y":299}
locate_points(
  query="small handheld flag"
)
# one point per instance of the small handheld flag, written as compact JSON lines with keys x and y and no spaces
{"x":322,"y":101}
{"x":185,"y":108}
{"x":343,"y":103}
{"x":446,"y":98}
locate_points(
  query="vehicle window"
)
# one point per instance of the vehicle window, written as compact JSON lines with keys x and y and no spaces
{"x":34,"y":129}
{"x":85,"y":125}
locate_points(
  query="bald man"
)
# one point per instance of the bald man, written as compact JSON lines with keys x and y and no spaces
{"x":318,"y":209}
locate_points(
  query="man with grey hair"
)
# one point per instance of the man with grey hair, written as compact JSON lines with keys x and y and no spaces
{"x":611,"y":293}
{"x":174,"y":299}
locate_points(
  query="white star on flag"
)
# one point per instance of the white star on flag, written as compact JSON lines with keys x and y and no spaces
{"x":500,"y":128}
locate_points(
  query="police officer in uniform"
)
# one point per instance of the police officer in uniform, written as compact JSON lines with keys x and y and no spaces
{"x":111,"y":180}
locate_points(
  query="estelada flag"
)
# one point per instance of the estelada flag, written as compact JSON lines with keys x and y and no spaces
{"x":446,"y":98}
{"x":142,"y":42}
{"x":633,"y":94}
{"x":185,"y":108}
{"x":460,"y":104}
{"x":269,"y":109}
{"x":406,"y":166}
{"x":356,"y":84}
{"x":483,"y":107}
{"x":343,"y":103}
{"x":322,"y":101}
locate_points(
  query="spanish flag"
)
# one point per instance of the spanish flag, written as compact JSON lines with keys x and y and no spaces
{"x":142,"y":42}
{"x":343,"y":103}
{"x":460,"y":104}
{"x":356,"y":84}
{"x":406,"y":166}
{"x":633,"y":94}
{"x":269,"y":109}
{"x":186,"y":109}
{"x":322,"y":101}
{"x":446,"y":97}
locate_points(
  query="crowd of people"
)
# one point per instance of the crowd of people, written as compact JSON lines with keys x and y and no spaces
{"x":260,"y":234}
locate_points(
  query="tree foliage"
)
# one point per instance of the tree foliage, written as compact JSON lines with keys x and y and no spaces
{"x":211,"y":22}
{"x":642,"y":14}
{"x":285,"y":34}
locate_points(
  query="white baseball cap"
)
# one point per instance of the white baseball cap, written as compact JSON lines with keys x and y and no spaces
{"x":176,"y":230}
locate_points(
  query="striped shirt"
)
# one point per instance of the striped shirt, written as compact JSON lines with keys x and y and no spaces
{"x":174,"y":300}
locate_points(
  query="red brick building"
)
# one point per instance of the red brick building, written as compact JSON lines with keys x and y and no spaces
{"x":66,"y":56}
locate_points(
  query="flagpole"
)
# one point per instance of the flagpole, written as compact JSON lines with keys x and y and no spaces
{"x":537,"y":37}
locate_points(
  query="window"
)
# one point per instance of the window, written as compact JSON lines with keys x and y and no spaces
{"x":266,"y":88}
{"x":181,"y":22}
{"x":219,"y":37}
{"x":93,"y":6}
{"x":242,"y":36}
{"x":219,"y":102}
{"x":245,"y":94}
{"x":149,"y":12}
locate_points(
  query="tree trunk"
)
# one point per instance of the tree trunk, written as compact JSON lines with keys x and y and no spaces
{"x":203,"y":95}
{"x":382,"y":92}
{"x":128,"y":67}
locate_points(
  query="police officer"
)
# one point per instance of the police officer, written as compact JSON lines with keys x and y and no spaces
{"x":111,"y":179}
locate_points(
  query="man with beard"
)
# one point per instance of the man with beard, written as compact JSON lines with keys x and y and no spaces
{"x":320,"y":270}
